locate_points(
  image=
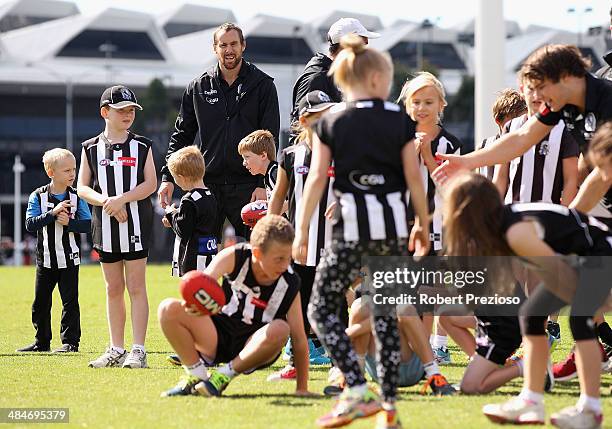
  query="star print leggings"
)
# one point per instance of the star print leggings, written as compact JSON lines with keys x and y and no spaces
{"x":336,"y":271}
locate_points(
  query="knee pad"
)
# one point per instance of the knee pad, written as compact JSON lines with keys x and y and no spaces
{"x":532,"y":325}
{"x":583,"y":328}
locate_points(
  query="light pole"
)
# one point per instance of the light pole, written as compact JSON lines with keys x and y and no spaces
{"x":108,"y":49}
{"x":18,"y":168}
{"x":579,"y":14}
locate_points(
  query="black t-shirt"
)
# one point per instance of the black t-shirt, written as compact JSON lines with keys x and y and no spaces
{"x":582,"y":125}
{"x":565,"y":230}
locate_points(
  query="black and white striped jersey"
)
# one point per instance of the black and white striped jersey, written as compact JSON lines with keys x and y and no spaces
{"x":565,"y":230}
{"x":537,"y":175}
{"x":56,"y":246}
{"x":444,"y":143}
{"x":116,"y":169}
{"x":295,"y":160}
{"x":193,"y":223}
{"x":366,"y":138}
{"x":487,"y":171}
{"x":270,"y":178}
{"x":252,"y":303}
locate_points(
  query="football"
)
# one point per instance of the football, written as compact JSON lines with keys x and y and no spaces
{"x":202,"y":293}
{"x":254,"y":211}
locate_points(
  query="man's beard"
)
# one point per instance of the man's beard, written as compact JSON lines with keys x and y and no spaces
{"x":232,"y":64}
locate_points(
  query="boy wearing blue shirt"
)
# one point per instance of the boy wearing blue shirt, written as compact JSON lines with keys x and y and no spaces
{"x":57,"y":215}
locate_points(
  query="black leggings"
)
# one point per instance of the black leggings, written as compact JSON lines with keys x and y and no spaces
{"x":307,"y":276}
{"x":335,"y":272}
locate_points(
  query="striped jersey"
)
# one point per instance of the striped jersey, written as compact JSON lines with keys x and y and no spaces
{"x":366,"y":138}
{"x":444,"y":143}
{"x":295,"y":161}
{"x":487,"y":171}
{"x":270,"y":178}
{"x":118,"y":168}
{"x":193,"y":223}
{"x":537,"y":175}
{"x":56,"y":246}
{"x":252,"y":303}
{"x":565,"y":230}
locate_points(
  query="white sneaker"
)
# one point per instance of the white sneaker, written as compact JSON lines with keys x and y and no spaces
{"x":572,"y":418}
{"x":110,"y":358}
{"x":334,"y":375}
{"x":136,"y":359}
{"x":516,"y":410}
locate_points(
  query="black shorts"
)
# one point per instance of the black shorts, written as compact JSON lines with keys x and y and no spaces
{"x":232,"y":336}
{"x":111,"y":257}
{"x":498,"y":337}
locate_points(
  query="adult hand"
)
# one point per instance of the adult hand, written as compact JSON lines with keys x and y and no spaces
{"x":113,"y":205}
{"x":164,"y":195}
{"x":300,"y":248}
{"x":451,"y":165}
{"x":121,"y":215}
{"x":259,"y":194}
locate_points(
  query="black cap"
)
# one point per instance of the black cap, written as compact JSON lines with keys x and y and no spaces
{"x":314,"y":102}
{"x":118,"y":97}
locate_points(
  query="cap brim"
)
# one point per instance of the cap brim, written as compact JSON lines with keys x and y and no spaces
{"x":123,"y":104}
{"x":367,"y":34}
{"x":318,"y":108}
{"x":371,"y":35}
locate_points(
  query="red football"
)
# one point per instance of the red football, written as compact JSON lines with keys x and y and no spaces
{"x":202,"y":293}
{"x":254,"y":211}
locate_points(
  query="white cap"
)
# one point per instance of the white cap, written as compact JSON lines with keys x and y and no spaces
{"x":345,"y":26}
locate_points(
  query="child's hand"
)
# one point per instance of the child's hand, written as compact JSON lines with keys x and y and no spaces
{"x":112,"y":205}
{"x":63,"y":218}
{"x":121,"y":216}
{"x":191,"y":310}
{"x":166,"y":223}
{"x":170,"y":209}
{"x":331,"y":210}
{"x":64,"y":206}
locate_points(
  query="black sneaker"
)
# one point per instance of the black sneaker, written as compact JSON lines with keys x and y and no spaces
{"x":34,"y":347}
{"x":174,"y":359}
{"x":67,"y":348}
{"x":553,"y":329}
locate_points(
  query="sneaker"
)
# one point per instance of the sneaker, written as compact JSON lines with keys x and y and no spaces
{"x":549,"y":381}
{"x":215,"y":385}
{"x":566,"y":370}
{"x":288,"y":373}
{"x":34,"y":347}
{"x":572,"y":418}
{"x":336,"y":381}
{"x":67,"y":348}
{"x":607,"y":367}
{"x":442,"y":355}
{"x":350,"y":407}
{"x":136,"y":359}
{"x":287,"y":351}
{"x":439,"y":386}
{"x":185,"y":387}
{"x":111,"y":357}
{"x":388,"y":419}
{"x":517,"y":411}
{"x":318,"y":355}
{"x":553,"y":329}
{"x":174,"y":359}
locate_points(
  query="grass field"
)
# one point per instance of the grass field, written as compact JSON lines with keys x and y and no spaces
{"x":121,"y":398}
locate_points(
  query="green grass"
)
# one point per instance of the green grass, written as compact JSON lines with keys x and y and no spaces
{"x":117,"y":398}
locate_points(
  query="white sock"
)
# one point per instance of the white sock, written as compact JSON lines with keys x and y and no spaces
{"x":359,"y":390}
{"x":528,"y":395}
{"x":589,"y":402}
{"x":139,"y":347}
{"x":228,"y":370}
{"x":118,"y":349}
{"x":198,"y":369}
{"x":431,"y":368}
{"x":440,"y":341}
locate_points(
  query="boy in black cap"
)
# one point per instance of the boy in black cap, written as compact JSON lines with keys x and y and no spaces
{"x":117,"y":177}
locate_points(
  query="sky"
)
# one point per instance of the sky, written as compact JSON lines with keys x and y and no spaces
{"x":552,"y":13}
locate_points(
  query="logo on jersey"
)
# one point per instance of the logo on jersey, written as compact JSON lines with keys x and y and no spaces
{"x":134,"y":239}
{"x":331,"y":171}
{"x":366,"y":181}
{"x":302,"y":169}
{"x":259,"y":303}
{"x":212,"y":100}
{"x":122,"y":161}
{"x":207,"y":245}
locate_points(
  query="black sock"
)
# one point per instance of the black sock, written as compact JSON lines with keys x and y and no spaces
{"x":605,"y":333}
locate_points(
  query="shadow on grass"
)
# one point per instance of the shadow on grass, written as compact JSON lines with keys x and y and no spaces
{"x":280,"y":397}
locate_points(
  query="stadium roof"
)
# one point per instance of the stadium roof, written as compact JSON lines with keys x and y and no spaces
{"x":112,"y":33}
{"x":189,"y":18}
{"x":23,"y":13}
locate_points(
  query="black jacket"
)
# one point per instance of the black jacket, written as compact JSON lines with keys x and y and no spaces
{"x":606,"y":71}
{"x":204,"y":108}
{"x":315,"y":77}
